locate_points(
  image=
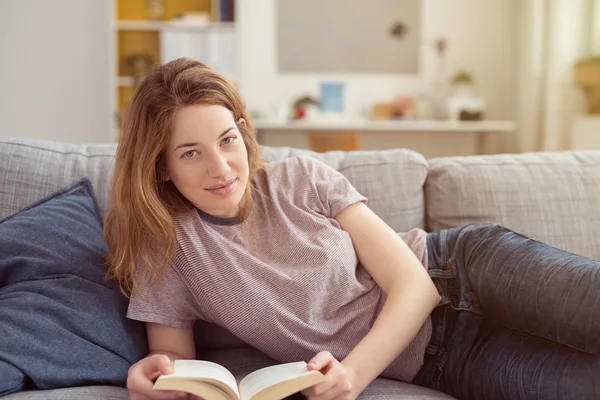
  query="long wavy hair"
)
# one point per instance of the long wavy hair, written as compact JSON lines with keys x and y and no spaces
{"x":139,"y":229}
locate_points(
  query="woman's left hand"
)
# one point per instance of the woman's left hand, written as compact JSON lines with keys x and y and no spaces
{"x":339,"y":383}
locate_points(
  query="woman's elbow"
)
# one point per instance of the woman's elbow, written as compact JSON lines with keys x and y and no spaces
{"x":422,"y":288}
{"x":431,"y":293}
{"x":426,"y":290}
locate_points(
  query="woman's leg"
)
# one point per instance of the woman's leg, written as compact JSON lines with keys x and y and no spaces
{"x":518,"y":320}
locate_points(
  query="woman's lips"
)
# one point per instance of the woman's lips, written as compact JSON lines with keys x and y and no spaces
{"x":224,"y":189}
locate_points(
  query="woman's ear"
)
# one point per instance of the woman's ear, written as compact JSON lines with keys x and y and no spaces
{"x":241,"y":122}
{"x":164,"y":174}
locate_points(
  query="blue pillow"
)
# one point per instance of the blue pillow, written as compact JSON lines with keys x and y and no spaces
{"x":62,"y":324}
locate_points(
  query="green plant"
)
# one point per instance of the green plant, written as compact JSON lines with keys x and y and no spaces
{"x":306,"y":100}
{"x":462,"y":77}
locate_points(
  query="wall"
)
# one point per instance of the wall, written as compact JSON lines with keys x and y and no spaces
{"x":481,"y":36}
{"x":55,"y":69}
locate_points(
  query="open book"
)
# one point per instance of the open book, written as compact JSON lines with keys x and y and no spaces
{"x":211,"y":381}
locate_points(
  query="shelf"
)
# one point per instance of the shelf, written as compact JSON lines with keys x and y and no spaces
{"x":125,"y":81}
{"x":360,"y":125}
{"x":141,"y":25}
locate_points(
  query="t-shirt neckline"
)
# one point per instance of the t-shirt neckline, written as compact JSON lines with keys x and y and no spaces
{"x":225,"y":221}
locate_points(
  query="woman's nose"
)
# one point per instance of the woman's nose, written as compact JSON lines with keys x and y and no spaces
{"x":218,"y":166}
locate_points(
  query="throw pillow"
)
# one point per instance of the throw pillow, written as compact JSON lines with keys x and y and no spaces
{"x":62,"y":323}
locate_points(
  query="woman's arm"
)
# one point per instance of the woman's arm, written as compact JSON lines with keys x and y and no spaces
{"x":176,"y":343}
{"x":411,"y":293}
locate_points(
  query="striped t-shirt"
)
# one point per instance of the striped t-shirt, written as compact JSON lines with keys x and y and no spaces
{"x":287,"y":281}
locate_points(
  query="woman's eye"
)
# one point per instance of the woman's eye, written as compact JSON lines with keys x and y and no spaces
{"x":189,"y":154}
{"x":229,"y":140}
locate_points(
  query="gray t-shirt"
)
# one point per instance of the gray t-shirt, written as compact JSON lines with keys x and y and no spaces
{"x":287,"y":281}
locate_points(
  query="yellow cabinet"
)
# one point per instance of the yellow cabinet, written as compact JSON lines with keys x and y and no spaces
{"x":142,"y":29}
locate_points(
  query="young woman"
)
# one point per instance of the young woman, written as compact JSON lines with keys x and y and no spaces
{"x":289,"y":258}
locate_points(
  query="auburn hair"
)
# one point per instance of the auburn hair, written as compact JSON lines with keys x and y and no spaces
{"x":139,"y":229}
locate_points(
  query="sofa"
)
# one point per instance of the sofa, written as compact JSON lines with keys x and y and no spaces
{"x":553,"y":197}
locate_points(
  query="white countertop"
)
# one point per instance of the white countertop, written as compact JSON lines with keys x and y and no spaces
{"x":388,"y":126}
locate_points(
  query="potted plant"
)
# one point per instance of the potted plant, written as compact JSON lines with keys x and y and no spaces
{"x":462,"y":77}
{"x":462,"y":82}
{"x":305,"y":107}
{"x":463,"y":104}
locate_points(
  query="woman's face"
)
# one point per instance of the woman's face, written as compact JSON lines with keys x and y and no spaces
{"x":206,"y":159}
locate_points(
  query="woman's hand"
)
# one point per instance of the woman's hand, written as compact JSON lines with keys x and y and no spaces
{"x":141,"y":377}
{"x":340,"y":381}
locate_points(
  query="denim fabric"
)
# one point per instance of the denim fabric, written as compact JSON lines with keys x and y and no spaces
{"x":518,"y":319}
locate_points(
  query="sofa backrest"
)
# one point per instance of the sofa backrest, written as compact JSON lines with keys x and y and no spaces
{"x":552,"y":197}
{"x":31,"y":169}
{"x":392,"y":180}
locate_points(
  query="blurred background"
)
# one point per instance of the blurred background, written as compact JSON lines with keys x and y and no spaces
{"x":442,"y":77}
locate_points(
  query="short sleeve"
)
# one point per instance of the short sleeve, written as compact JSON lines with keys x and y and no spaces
{"x":167,"y":301}
{"x":332,"y":189}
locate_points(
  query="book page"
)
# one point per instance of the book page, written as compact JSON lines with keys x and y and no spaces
{"x":265,"y":378}
{"x":203,"y":370}
{"x":202,"y":389}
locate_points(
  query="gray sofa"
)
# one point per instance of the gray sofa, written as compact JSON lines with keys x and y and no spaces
{"x":554,"y":197}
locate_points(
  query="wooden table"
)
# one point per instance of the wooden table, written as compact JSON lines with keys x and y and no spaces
{"x":343,"y":134}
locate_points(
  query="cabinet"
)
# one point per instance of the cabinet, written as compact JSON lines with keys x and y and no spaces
{"x":157,"y":31}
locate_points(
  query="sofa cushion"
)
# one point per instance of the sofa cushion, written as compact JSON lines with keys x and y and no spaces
{"x":552,"y":197}
{"x":31,"y":169}
{"x":241,"y":362}
{"x":392,"y":180}
{"x":62,"y":324}
{"x":74,"y":393}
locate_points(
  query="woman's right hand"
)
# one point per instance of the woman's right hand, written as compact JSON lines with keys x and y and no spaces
{"x":141,"y":377}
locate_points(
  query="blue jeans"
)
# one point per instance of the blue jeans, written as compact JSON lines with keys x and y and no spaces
{"x":519,"y":319}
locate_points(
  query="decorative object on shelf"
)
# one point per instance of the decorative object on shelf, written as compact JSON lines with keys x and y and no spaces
{"x":305,"y":107}
{"x":463,"y":104}
{"x":140,"y":64}
{"x":192,"y":18}
{"x":156,"y":10}
{"x":383,"y":111}
{"x":587,"y":77}
{"x":404,"y":106}
{"x":332,"y":96}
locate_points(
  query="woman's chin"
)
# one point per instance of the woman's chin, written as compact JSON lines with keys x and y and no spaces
{"x":226,"y":208}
